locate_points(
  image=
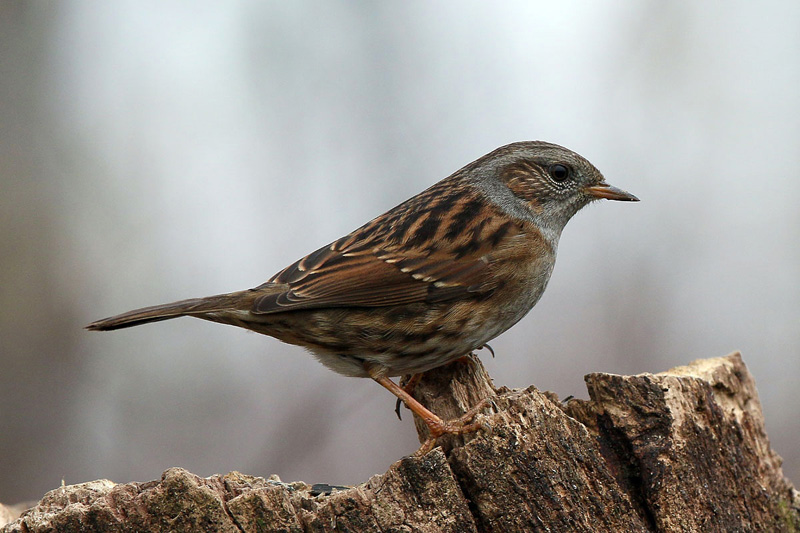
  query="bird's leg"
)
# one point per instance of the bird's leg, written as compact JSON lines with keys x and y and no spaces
{"x":412,"y":382}
{"x":436,"y":426}
{"x":408,"y":386}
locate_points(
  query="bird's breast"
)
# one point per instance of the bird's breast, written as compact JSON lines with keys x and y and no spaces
{"x":522,"y":272}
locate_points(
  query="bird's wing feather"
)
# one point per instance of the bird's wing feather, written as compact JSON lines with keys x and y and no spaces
{"x":374,"y":278}
{"x":396,"y":261}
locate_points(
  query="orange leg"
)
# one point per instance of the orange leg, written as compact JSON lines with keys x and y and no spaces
{"x":436,"y":426}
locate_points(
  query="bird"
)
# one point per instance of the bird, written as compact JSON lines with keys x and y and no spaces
{"x":423,"y":284}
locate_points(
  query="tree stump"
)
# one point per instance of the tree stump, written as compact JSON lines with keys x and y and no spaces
{"x":683,"y":450}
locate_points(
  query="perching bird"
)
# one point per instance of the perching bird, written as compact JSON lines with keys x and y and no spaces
{"x":425,"y":283}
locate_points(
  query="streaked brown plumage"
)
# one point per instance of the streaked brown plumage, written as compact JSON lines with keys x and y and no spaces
{"x":425,"y":283}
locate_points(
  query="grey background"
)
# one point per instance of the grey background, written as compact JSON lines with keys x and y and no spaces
{"x":157,"y":151}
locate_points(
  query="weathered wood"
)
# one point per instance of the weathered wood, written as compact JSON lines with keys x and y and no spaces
{"x":684,"y":450}
{"x":694,"y":444}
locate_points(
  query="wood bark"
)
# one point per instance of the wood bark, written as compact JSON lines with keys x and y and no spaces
{"x":683,"y":450}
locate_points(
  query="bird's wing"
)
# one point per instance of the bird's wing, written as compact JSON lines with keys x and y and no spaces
{"x":373,"y":278}
{"x":372,"y":267}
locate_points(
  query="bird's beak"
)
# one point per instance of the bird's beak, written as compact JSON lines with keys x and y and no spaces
{"x":609,"y":192}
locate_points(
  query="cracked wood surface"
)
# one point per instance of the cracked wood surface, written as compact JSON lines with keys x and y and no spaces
{"x":683,"y":450}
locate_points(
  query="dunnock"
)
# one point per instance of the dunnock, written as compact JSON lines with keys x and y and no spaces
{"x":425,"y":283}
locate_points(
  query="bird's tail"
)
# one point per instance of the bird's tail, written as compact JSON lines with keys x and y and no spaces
{"x":200,"y":307}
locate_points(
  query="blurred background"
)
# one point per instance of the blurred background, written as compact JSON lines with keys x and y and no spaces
{"x":155,"y":151}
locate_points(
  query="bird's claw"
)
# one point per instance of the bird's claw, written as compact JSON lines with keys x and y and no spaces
{"x":469,"y":422}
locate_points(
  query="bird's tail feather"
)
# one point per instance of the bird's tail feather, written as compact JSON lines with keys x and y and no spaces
{"x":192,"y":307}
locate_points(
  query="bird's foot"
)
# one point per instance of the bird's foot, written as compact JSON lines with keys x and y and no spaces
{"x":466,"y":423}
{"x":436,"y":426}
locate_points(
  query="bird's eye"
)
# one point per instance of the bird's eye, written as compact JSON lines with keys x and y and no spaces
{"x":559,"y":172}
